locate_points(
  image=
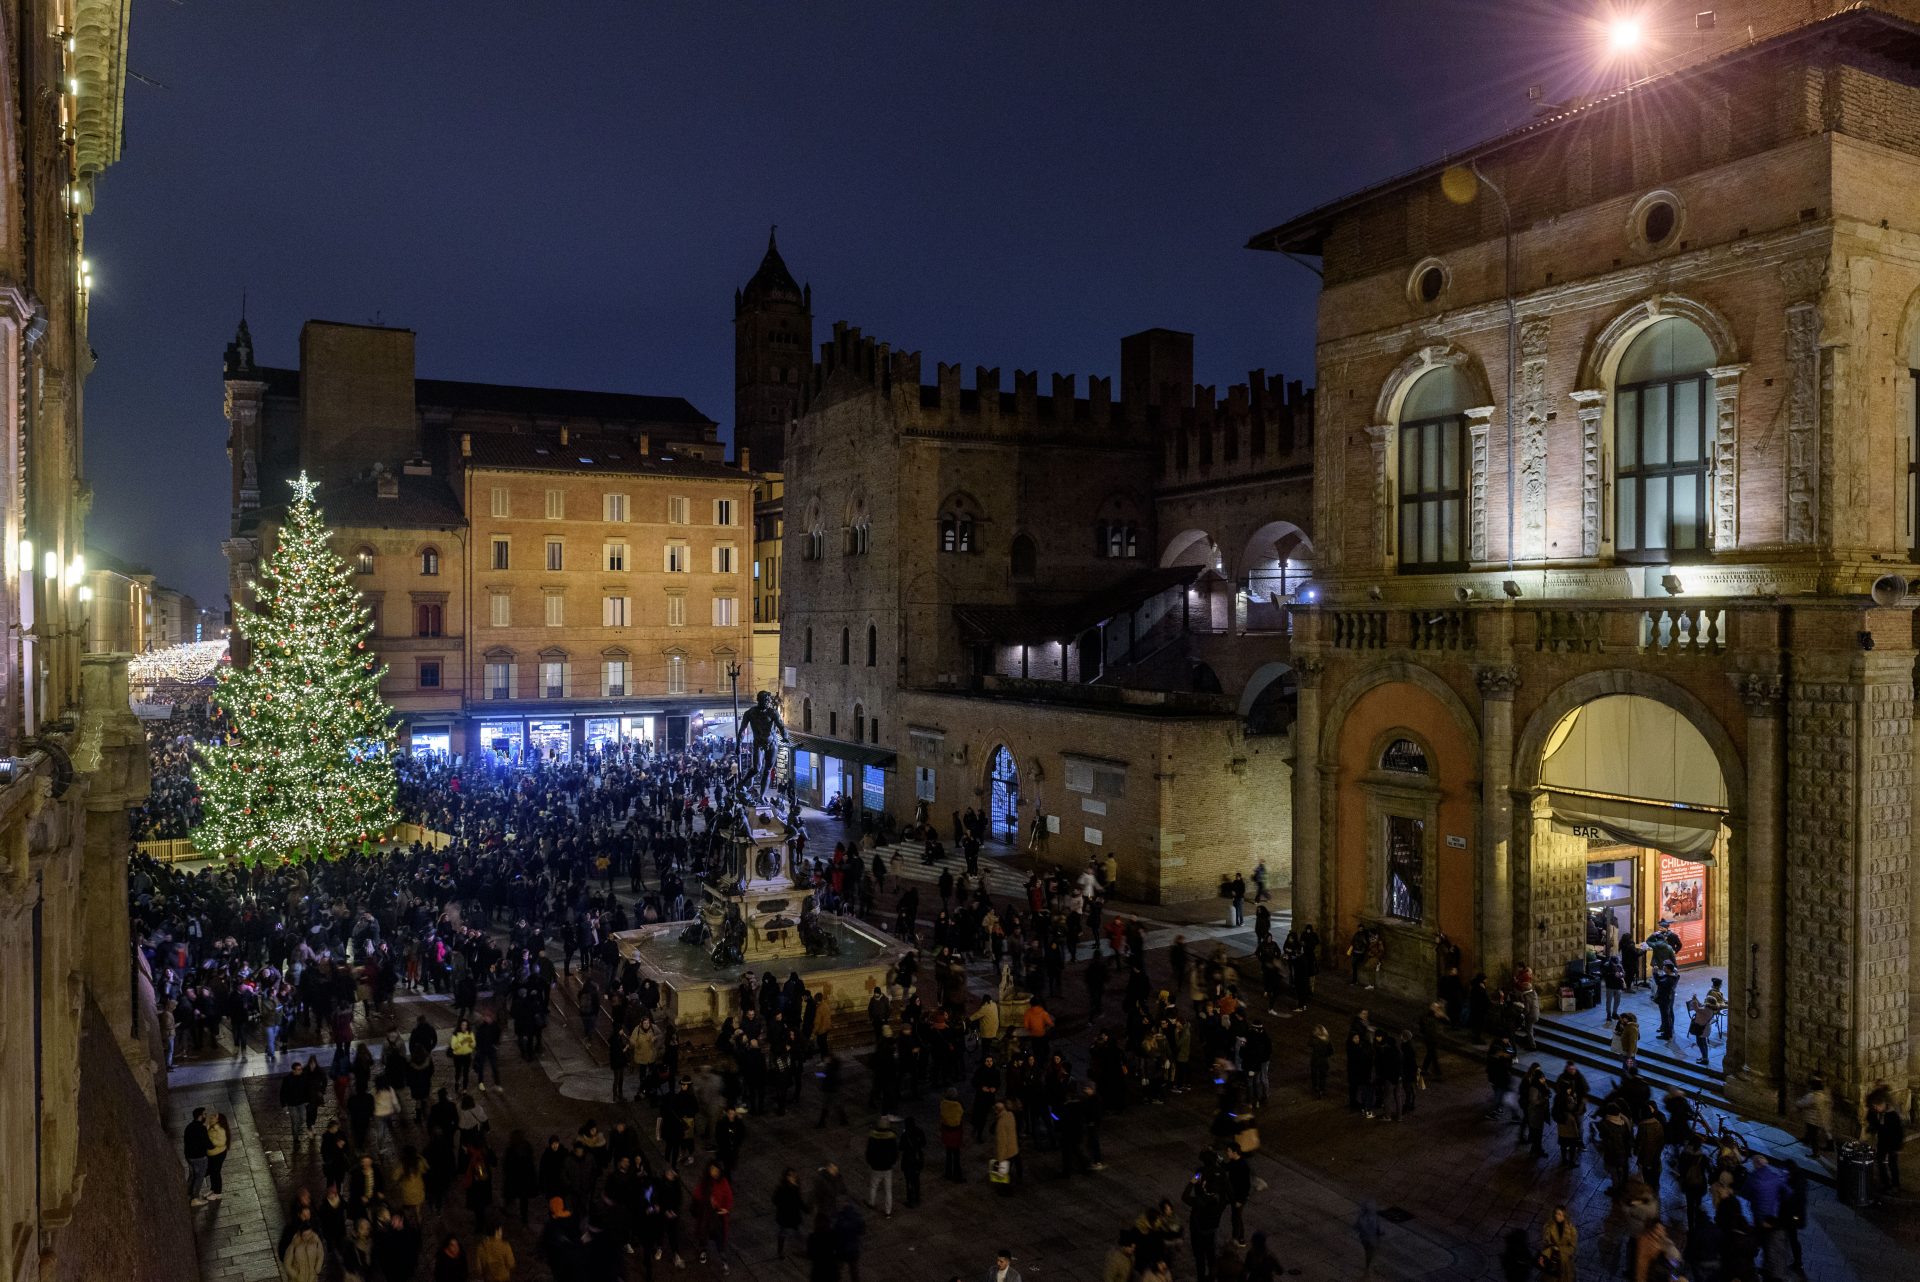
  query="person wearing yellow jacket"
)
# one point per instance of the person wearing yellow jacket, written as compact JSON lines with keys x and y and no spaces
{"x":460,"y":1048}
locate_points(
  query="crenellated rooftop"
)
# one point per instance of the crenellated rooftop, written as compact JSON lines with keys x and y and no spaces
{"x":1263,"y":424}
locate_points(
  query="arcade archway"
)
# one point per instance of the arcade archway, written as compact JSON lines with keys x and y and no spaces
{"x":1630,"y":840}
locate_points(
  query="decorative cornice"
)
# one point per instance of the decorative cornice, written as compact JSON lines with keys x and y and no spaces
{"x":100,"y":70}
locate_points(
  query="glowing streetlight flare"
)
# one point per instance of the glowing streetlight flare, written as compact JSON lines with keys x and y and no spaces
{"x":1624,"y":35}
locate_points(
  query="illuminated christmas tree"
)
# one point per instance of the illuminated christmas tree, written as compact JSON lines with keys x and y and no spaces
{"x":307,"y":767}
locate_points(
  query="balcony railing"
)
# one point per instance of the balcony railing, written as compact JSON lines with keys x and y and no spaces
{"x":1678,"y":629}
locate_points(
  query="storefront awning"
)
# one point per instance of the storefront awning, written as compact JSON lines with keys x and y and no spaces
{"x":860,"y":754}
{"x":1675,"y":830}
{"x":1633,"y":770}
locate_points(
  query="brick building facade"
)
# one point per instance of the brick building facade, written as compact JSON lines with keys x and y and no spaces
{"x":547,"y":568}
{"x":1660,"y":479}
{"x":74,"y":756}
{"x":983,"y":609}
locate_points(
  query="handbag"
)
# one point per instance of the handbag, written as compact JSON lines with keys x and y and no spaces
{"x":1000,"y":1172}
{"x":1548,"y":1261}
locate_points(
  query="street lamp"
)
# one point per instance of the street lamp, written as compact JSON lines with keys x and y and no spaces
{"x":1625,"y":34}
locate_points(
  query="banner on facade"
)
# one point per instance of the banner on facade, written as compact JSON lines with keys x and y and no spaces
{"x":1683,"y":906}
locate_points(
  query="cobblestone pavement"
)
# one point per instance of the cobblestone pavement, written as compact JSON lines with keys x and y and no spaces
{"x":1450,"y":1183}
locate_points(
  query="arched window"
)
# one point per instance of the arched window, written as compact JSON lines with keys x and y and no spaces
{"x":429,"y":561}
{"x":1117,"y":540}
{"x":806,"y":653}
{"x":806,"y":714}
{"x":363,"y":560}
{"x":427,"y":619}
{"x":1662,"y":406}
{"x":846,"y":646}
{"x":859,"y":723}
{"x":1433,"y":471}
{"x":959,"y":517}
{"x":873,"y":645}
{"x":1025,"y":556}
{"x":859,"y":531}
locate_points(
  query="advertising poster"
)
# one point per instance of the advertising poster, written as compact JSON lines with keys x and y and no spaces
{"x":1683,"y":905}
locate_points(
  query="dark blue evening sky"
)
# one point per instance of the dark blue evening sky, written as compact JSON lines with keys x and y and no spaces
{"x":566,"y":193}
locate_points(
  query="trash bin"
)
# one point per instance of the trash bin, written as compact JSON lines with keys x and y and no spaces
{"x":1852,"y":1177}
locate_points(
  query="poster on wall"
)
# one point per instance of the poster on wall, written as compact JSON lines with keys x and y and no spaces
{"x":1683,"y":905}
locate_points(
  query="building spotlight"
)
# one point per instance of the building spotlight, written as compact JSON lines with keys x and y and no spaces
{"x":1624,"y":35}
{"x":1671,"y":582}
{"x":1511,"y":588}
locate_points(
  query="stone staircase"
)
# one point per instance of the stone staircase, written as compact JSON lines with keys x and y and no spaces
{"x":1663,"y":1063}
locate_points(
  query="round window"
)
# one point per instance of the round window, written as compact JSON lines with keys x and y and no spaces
{"x":1658,"y":222}
{"x":1428,"y":284}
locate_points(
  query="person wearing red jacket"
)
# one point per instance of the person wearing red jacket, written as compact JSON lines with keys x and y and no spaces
{"x":712,"y":1208}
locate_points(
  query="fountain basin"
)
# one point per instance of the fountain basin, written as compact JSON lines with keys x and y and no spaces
{"x":699,"y":993}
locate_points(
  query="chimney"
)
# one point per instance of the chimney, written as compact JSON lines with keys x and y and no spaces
{"x":386,"y":485}
{"x":466,"y":445}
{"x":746,"y":464}
{"x":563,"y":433}
{"x":645,"y":443}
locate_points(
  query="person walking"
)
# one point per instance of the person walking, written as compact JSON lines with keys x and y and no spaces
{"x":953,"y":1134}
{"x":913,"y":1159}
{"x":789,"y":1208}
{"x":1613,"y":985}
{"x":218,"y":1139}
{"x":493,"y":1259}
{"x":305,"y":1256}
{"x":460,"y":1048}
{"x":1626,"y":1038}
{"x":293,"y":1099}
{"x":713,"y":1209}
{"x":1319,"y":1060}
{"x":883,"y":1155}
{"x":1368,"y":1229}
{"x":1006,"y":1149}
{"x":1559,"y":1248}
{"x":1889,"y":1131}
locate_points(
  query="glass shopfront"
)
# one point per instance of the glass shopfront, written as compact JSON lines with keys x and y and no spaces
{"x":1610,"y":883}
{"x":431,"y":739}
{"x":504,"y":739}
{"x":551,"y":740}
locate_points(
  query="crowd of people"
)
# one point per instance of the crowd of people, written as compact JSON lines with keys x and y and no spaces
{"x":542,"y":866}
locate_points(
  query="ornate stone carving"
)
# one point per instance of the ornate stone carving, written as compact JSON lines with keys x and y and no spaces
{"x":1803,"y":414}
{"x":1532,"y":411}
{"x":1497,"y":682}
{"x":1726,"y":456}
{"x":1381,"y":438}
{"x":1591,"y":406}
{"x":1479,"y":428}
{"x":1306,"y":671}
{"x":1761,"y":692}
{"x":1802,"y":279}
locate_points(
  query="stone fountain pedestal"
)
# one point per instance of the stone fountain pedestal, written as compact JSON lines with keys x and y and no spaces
{"x":700,"y":992}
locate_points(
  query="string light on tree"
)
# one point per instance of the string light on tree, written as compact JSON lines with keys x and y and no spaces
{"x":307,"y":768}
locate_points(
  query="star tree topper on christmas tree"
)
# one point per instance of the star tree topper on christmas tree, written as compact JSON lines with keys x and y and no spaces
{"x":307,"y":769}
